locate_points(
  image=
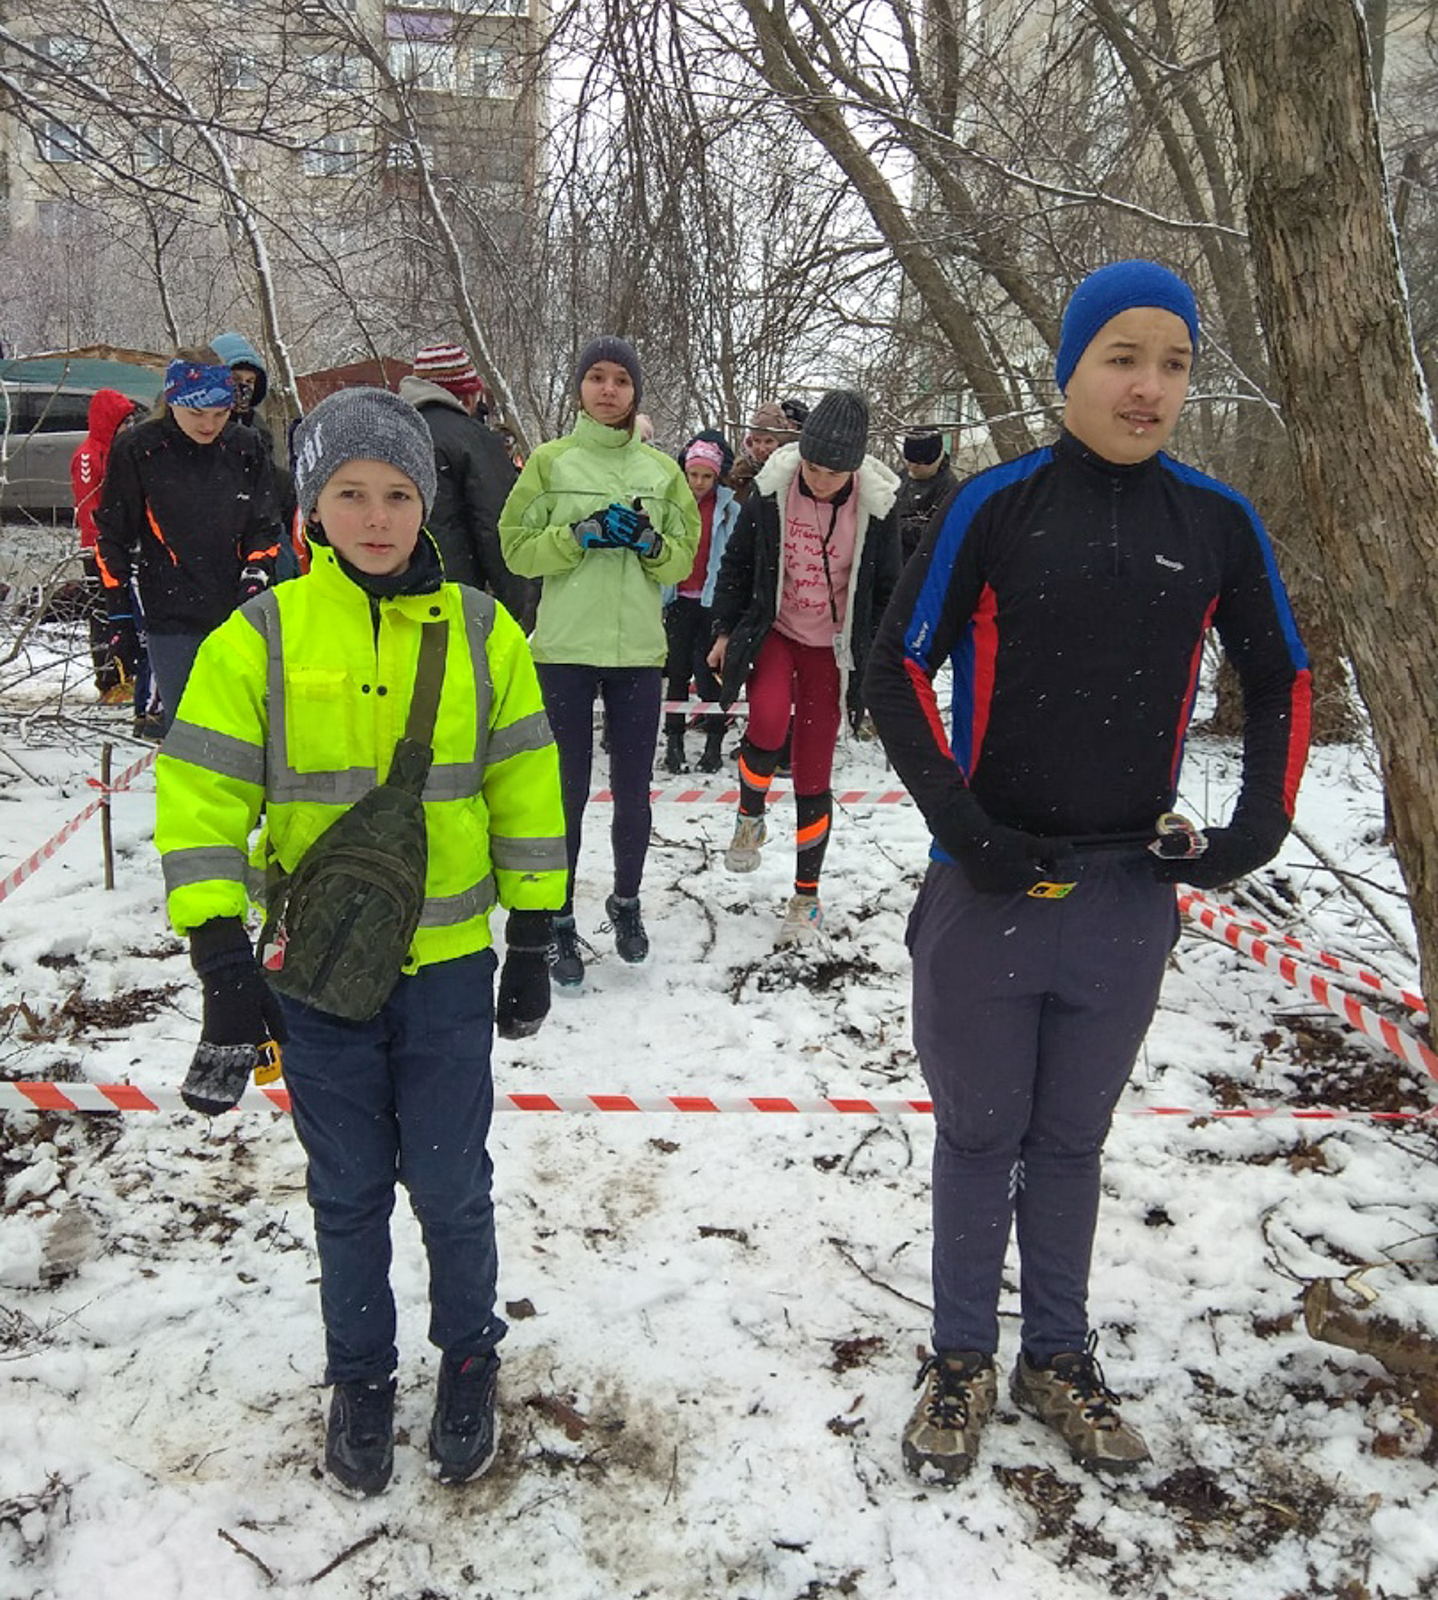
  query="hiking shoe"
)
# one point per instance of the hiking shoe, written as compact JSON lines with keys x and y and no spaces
{"x":463,"y":1436}
{"x":566,"y":965}
{"x":630,"y":939}
{"x":961,"y":1389}
{"x":359,"y":1442}
{"x":713,"y":757}
{"x":674,"y":753}
{"x":1069,"y":1394}
{"x":749,"y":836}
{"x":802,"y":921}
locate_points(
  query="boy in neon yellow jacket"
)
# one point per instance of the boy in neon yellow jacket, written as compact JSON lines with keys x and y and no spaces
{"x":295,"y":705}
{"x":606,"y":521}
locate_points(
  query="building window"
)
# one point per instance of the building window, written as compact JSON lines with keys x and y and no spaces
{"x":239,"y":71}
{"x":155,"y":146}
{"x":57,"y":141}
{"x":493,"y":8}
{"x":422,"y":65}
{"x":492,"y":76}
{"x":62,"y":51}
{"x":334,"y":156}
{"x":336,"y":73}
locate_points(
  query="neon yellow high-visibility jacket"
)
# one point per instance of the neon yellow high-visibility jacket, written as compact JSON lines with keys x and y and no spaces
{"x":599,"y":608}
{"x":296,"y":703}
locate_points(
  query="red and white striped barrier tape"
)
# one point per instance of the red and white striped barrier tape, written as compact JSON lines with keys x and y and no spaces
{"x":730,"y":796}
{"x":22,"y":1096}
{"x":1349,"y":969}
{"x":31,"y":866}
{"x":1342,"y":1004}
{"x":707,"y":707}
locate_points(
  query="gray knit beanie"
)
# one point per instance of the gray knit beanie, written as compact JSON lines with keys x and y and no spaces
{"x":836,"y":431}
{"x":610,"y":347}
{"x":361,"y":425}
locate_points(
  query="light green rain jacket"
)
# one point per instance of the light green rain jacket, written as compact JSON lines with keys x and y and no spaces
{"x":599,"y":608}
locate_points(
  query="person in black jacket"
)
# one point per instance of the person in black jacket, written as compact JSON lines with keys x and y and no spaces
{"x":1071,"y":590}
{"x":928,"y":482}
{"x":475,"y":477}
{"x":804,"y":579}
{"x":188,"y":507}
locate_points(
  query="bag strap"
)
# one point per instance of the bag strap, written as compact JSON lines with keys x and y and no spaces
{"x":428,"y":681}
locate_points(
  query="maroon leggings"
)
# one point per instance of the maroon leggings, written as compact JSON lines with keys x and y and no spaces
{"x":803,"y":678}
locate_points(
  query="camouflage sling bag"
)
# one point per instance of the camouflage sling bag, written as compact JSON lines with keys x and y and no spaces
{"x":340,"y":925}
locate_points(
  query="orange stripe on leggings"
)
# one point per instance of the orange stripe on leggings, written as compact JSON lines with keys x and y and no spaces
{"x":752,"y":778}
{"x":813,"y":833}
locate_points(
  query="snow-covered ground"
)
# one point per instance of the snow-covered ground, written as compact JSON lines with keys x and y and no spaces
{"x":714,"y":1319}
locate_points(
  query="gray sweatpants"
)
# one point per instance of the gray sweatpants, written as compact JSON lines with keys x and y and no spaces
{"x":1028,"y":1015}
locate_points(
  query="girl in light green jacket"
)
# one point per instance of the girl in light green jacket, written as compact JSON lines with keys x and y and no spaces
{"x":606,"y":521}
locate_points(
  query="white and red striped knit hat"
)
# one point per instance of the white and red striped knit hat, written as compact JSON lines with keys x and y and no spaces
{"x":449,"y":366}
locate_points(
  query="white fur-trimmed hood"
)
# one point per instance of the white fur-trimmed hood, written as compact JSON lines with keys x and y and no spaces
{"x":878,"y":485}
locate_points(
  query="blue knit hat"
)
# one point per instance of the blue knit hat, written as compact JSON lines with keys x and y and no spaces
{"x":1118,"y":287}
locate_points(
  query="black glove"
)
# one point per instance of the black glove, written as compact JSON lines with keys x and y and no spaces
{"x":124,"y":647}
{"x":998,"y":859}
{"x":253,"y":581}
{"x":241,"y":1014}
{"x":524,"y":980}
{"x":1232,"y":852}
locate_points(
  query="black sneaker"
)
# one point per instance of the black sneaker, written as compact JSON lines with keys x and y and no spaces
{"x":566,"y":965}
{"x":463,"y":1435}
{"x":674,"y":753}
{"x":359,"y":1442}
{"x":630,"y":939}
{"x":713,"y":757}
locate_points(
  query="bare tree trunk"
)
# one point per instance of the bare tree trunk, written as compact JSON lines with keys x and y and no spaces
{"x":1332,"y":292}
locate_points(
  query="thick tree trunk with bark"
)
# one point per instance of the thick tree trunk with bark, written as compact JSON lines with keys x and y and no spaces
{"x":1334,"y":307}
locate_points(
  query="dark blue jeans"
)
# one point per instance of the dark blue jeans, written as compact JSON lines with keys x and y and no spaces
{"x":172,"y":655}
{"x":404,"y":1098}
{"x":631,"y":708}
{"x":1027,"y":1017}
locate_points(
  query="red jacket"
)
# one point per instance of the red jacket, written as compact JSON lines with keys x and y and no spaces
{"x":108,"y":409}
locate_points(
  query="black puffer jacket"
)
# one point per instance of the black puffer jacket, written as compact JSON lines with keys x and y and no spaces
{"x":475,"y":476}
{"x":919,"y":499}
{"x":746,"y":597}
{"x":185,"y":519}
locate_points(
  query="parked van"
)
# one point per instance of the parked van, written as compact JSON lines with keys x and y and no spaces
{"x":44,"y":416}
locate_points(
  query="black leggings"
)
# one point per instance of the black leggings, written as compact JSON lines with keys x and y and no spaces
{"x":687,"y":628}
{"x":631,"y":709}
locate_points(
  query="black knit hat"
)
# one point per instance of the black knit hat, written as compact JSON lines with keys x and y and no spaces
{"x":836,"y":431}
{"x":923,"y":445}
{"x":610,"y":347}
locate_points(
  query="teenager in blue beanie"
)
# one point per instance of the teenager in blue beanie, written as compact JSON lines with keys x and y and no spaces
{"x":1071,"y":591}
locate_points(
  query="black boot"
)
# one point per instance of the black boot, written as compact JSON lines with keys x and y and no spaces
{"x":674,"y":753}
{"x":713,"y":757}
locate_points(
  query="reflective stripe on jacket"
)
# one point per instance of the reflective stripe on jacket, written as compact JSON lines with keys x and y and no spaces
{"x":296,"y":704}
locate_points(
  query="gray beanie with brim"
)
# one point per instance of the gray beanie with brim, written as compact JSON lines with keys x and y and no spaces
{"x":361,"y":425}
{"x":836,"y":432}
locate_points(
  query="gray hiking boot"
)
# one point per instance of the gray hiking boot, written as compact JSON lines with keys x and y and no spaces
{"x":566,"y":965}
{"x":960,"y":1392}
{"x":749,"y":836}
{"x":630,"y":939}
{"x":1070,"y":1395}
